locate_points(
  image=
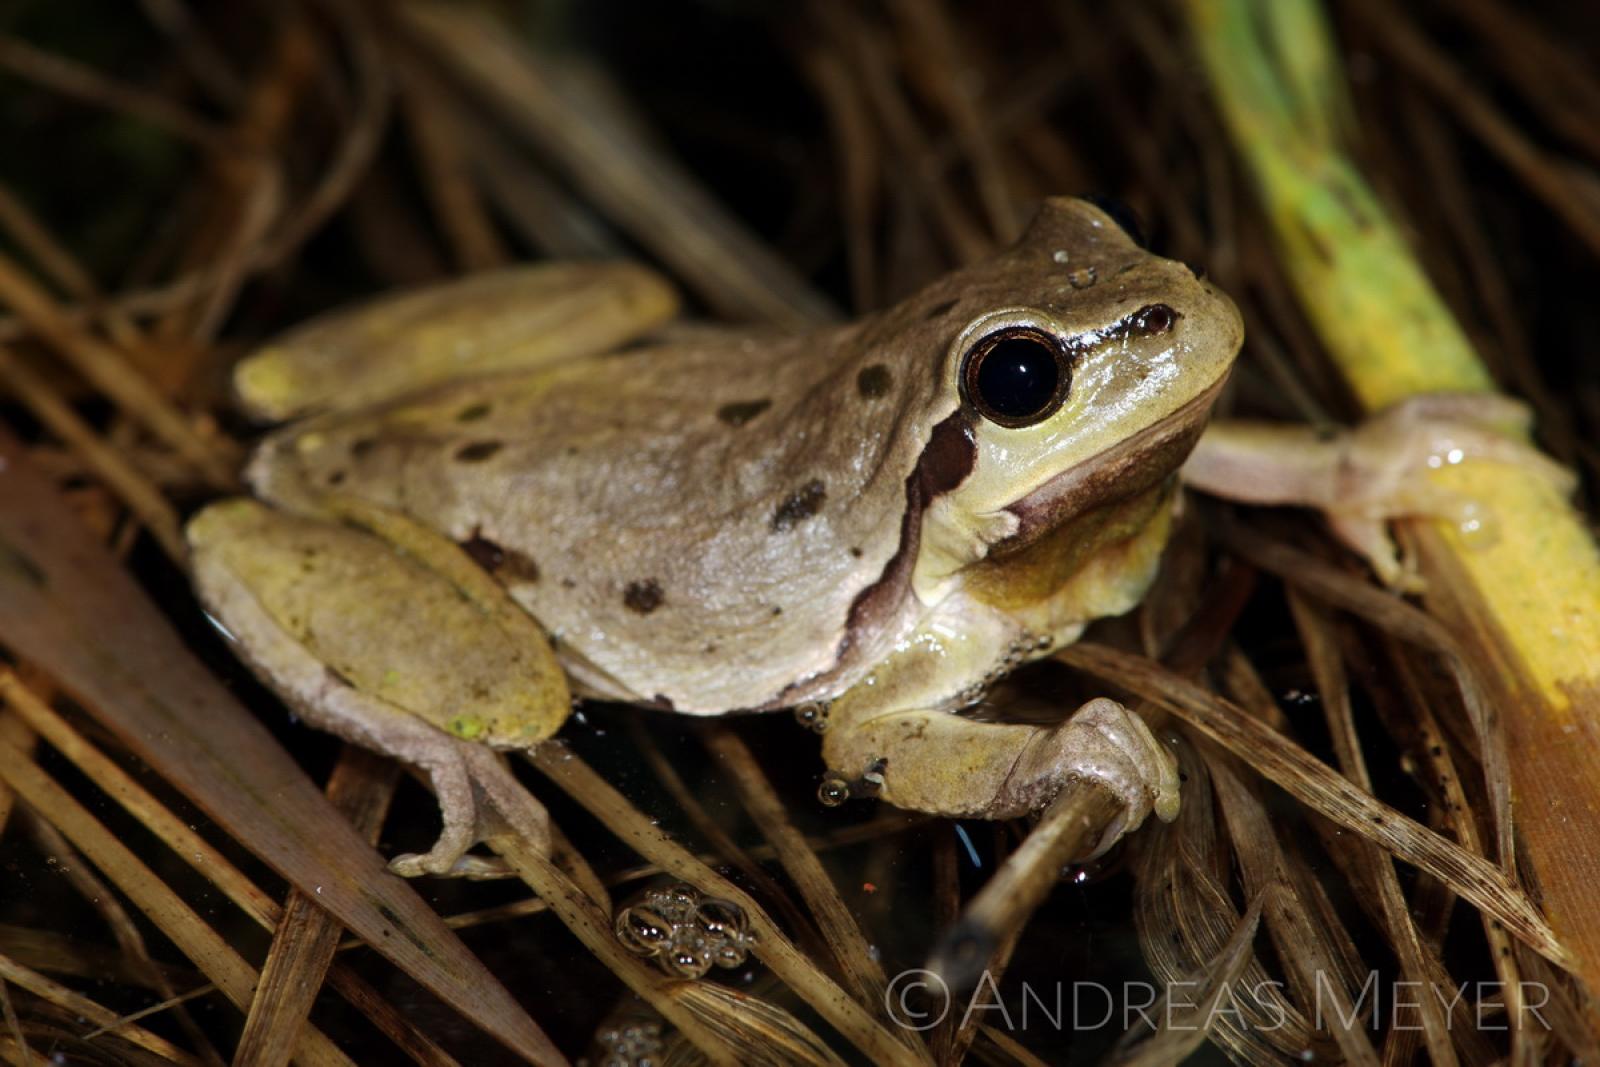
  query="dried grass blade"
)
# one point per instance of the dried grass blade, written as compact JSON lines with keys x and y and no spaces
{"x":1317,"y":786}
{"x":234,"y":977}
{"x":128,"y":483}
{"x":40,"y":245}
{"x":130,"y":940}
{"x":406,"y":1033}
{"x":1392,"y":910}
{"x":71,"y":79}
{"x":1313,"y":965}
{"x":642,"y":189}
{"x":1549,"y":177}
{"x":1185,"y":915}
{"x":591,"y":925}
{"x":1013,"y":1051}
{"x":1456,"y":815}
{"x":772,"y":946}
{"x":1527,"y":604}
{"x":838,"y":926}
{"x":111,"y":373}
{"x":766,"y":1035}
{"x":9,"y":1011}
{"x":1069,"y":827}
{"x":306,"y":937}
{"x":859,"y":165}
{"x":910,"y":168}
{"x":1187,"y":1030}
{"x":1392,"y":615}
{"x":67,"y":606}
{"x":439,"y":148}
{"x":91,"y":1011}
{"x":361,"y":137}
{"x":941,"y":70}
{"x":203,"y":857}
{"x":1555,"y":80}
{"x":721,"y":841}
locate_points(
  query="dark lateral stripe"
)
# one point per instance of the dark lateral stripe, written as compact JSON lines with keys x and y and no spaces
{"x":946,"y":461}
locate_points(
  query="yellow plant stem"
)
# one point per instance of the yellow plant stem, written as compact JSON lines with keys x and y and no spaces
{"x":1523,"y":590}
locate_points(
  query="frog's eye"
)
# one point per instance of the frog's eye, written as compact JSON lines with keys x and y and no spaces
{"x":1016,"y":376}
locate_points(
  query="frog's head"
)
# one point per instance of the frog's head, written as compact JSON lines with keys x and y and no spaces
{"x":1082,"y":371}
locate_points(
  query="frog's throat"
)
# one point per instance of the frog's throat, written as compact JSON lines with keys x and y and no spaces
{"x":953,"y":541}
{"x":1124,"y":470}
{"x":883,"y":609}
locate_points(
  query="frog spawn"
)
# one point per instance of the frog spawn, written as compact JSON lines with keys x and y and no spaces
{"x":684,"y":932}
{"x":635,"y":1044}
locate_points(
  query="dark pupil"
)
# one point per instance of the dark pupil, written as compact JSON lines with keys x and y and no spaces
{"x":1018,"y":377}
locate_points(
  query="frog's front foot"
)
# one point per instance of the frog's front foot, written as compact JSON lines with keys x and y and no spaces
{"x":477,"y":799}
{"x":1381,"y":470}
{"x":938,"y":762}
{"x":1105,"y":743}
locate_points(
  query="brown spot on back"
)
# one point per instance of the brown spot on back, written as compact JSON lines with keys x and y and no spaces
{"x":874,"y":381}
{"x":472,"y":413}
{"x":484,"y":552}
{"x":642,"y":597}
{"x":361,"y":446}
{"x":478,"y":451}
{"x":506,"y":564}
{"x":741,"y":412}
{"x":799,"y":506}
{"x":519,"y":568}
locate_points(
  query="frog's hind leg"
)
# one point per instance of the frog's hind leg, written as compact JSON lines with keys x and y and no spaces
{"x":892,"y":736}
{"x":466,"y":778}
{"x":514,"y":319}
{"x":396,"y":643}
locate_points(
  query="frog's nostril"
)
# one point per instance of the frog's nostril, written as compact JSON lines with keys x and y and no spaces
{"x":1153,"y":319}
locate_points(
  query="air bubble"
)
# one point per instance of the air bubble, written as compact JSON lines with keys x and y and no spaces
{"x":833,"y":792}
{"x":813,"y":715}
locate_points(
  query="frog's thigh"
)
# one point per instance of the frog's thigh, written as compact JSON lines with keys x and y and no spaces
{"x":371,"y":645}
{"x":515,"y":319}
{"x":417,"y":627}
{"x":939,"y":762}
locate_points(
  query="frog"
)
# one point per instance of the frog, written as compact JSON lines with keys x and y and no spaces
{"x":495,"y":497}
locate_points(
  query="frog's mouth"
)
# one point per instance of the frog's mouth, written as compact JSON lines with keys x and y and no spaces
{"x":1126,"y":469}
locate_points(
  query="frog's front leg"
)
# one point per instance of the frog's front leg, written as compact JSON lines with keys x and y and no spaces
{"x":897,"y":733}
{"x":391,"y":639}
{"x":1383,"y":469}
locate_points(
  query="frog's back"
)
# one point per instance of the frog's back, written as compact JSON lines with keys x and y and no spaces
{"x":693,"y":523}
